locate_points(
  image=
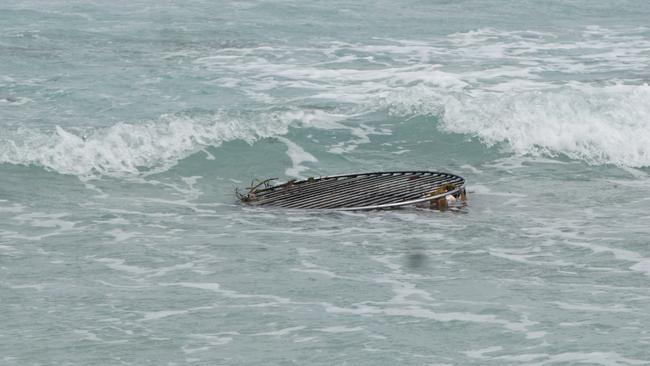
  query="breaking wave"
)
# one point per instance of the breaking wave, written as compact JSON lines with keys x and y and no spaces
{"x":129,"y":148}
{"x":529,"y":91}
{"x":599,"y":125}
{"x":585,"y":97}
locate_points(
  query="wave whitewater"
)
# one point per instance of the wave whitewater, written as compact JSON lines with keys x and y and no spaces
{"x":595,"y":124}
{"x":530,"y":91}
{"x":125,"y":149}
{"x":599,"y":125}
{"x":537,"y":93}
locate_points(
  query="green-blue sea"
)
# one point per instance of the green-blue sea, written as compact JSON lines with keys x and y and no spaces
{"x":125,"y":127}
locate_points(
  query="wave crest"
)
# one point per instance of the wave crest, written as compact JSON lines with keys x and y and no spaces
{"x":126,"y":148}
{"x":600,"y":125}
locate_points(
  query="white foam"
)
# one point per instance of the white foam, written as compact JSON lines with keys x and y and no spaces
{"x":471,"y":169}
{"x":298,"y":156}
{"x":8,"y":250}
{"x":304,"y":339}
{"x":597,"y":124}
{"x":14,"y":208}
{"x":189,"y":351}
{"x":280,"y":332}
{"x":87,"y":335}
{"x":420,"y":312}
{"x":41,"y":219}
{"x":479,"y":353}
{"x":37,"y":287}
{"x":642,"y":263}
{"x":615,"y":308}
{"x":572,"y":113}
{"x":527,"y":256}
{"x":217,"y":339}
{"x":125,"y":147}
{"x":594,"y":358}
{"x":229,"y":293}
{"x":341,"y":329}
{"x":121,"y":235}
{"x":546,"y":97}
{"x":322,"y":272}
{"x":535,"y":335}
{"x":155,"y":315}
{"x":485,"y":190}
{"x":203,"y":286}
{"x":119,"y":265}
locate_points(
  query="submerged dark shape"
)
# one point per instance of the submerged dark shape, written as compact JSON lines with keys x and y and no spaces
{"x":416,"y":260}
{"x":361,"y":191}
{"x":9,"y":98}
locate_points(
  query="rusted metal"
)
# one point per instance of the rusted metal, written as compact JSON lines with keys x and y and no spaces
{"x":361,"y":191}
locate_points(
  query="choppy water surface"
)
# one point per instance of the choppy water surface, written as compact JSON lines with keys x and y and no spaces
{"x":124,"y":129}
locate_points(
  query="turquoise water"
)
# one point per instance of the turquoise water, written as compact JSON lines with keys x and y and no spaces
{"x":125,"y":127}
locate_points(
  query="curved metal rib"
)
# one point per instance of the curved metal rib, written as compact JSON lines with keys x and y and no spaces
{"x":361,"y":191}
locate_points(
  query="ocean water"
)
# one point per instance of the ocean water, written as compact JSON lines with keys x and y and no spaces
{"x":126,"y":126}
